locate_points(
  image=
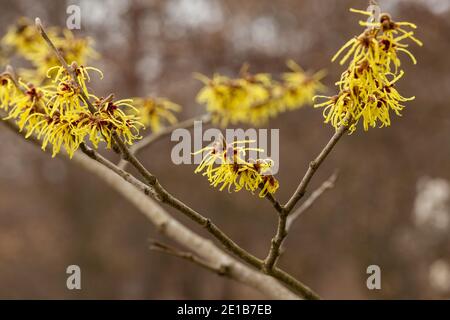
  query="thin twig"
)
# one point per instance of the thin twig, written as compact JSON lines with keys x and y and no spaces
{"x":277,"y":205}
{"x":326,"y":185}
{"x":136,"y":148}
{"x":221,"y":270}
{"x":276,"y":242}
{"x":150,"y":139}
{"x":11,"y":74}
{"x":292,"y":217}
{"x":70,"y":69}
{"x":281,"y":233}
{"x":313,"y":166}
{"x":44,"y":35}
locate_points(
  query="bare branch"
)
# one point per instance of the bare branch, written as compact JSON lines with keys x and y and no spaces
{"x":70,"y":69}
{"x":221,"y":270}
{"x":326,"y":185}
{"x":11,"y":74}
{"x":277,"y":240}
{"x":274,"y":202}
{"x":58,"y":54}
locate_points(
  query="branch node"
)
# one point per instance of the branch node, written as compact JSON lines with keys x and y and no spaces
{"x":207,"y":223}
{"x":224,"y":270}
{"x":162,"y":227}
{"x":313,"y":165}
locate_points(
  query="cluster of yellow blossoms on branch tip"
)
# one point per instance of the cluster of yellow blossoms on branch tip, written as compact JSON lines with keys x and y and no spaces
{"x":367,"y":88}
{"x":255,"y":98}
{"x":224,"y":165}
{"x":24,"y":39}
{"x":58,"y":114}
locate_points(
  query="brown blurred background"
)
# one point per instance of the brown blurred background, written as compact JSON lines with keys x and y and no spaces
{"x":390,"y":206}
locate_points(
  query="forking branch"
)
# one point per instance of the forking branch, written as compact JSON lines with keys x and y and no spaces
{"x":171,"y":228}
{"x":154,"y":188}
{"x":316,"y":194}
{"x":283,"y":214}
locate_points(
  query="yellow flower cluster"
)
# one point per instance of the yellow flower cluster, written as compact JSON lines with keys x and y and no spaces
{"x":7,"y":92}
{"x":24,"y":39}
{"x":255,"y":98}
{"x":59,"y":115}
{"x":155,"y":112}
{"x":225,"y":166}
{"x":367,"y":88}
